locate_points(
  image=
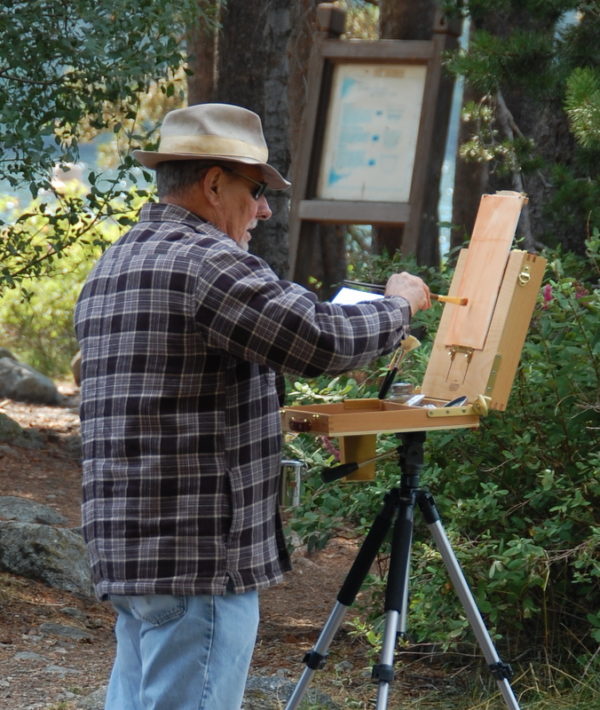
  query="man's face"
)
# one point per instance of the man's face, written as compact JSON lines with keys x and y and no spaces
{"x":239,"y":211}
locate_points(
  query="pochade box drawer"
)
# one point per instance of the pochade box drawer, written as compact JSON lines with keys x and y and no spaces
{"x":352,"y":417}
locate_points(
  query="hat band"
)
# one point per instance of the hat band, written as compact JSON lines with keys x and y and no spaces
{"x":212,"y":145}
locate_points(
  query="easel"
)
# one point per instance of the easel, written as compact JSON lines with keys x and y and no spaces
{"x":475,"y":353}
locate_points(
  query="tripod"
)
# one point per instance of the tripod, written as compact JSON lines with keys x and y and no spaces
{"x":398,"y":509}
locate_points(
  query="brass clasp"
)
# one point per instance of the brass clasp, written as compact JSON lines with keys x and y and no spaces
{"x":525,"y":276}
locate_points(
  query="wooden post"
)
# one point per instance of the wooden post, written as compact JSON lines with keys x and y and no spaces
{"x":331,"y":20}
{"x":303,"y":235}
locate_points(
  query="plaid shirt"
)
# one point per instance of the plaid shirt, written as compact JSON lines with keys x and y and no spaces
{"x":182,"y":334}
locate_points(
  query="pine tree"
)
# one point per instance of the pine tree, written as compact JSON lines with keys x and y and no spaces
{"x":531,"y":70}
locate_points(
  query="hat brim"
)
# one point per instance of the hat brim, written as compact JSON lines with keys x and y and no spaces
{"x":274,"y":179}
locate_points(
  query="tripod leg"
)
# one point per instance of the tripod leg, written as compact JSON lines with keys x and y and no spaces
{"x":315,"y":658}
{"x":501,"y":671}
{"x":395,"y":598}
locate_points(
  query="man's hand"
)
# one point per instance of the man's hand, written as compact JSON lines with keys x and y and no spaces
{"x":412,"y":288}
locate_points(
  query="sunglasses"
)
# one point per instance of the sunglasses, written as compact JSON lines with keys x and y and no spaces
{"x":260,"y":188}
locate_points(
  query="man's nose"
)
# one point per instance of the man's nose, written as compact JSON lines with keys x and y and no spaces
{"x":264,"y":211}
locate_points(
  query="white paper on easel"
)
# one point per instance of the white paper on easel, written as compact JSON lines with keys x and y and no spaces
{"x":350,"y":296}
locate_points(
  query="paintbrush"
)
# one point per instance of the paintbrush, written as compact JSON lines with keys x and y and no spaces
{"x":406,"y":346}
{"x":380,"y":288}
{"x":457,"y":300}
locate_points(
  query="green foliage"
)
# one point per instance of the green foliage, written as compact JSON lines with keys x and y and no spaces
{"x":323,"y":509}
{"x":69,"y":70}
{"x":582,"y":103}
{"x":361,"y":19}
{"x":574,"y":198}
{"x":533,"y":68}
{"x":36,"y":315}
{"x":493,"y":60}
{"x":519,"y":496}
{"x":64,"y":63}
{"x":35,"y":325}
{"x":377,"y":268}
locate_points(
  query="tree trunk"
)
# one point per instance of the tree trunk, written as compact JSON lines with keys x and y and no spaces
{"x":202,"y":46}
{"x":247,"y":59}
{"x":321,"y":253}
{"x":253,"y":73}
{"x":470,"y":181}
{"x":406,"y":20}
{"x":303,"y":19}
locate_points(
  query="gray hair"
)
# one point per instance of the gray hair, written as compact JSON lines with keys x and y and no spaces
{"x":175,"y":176}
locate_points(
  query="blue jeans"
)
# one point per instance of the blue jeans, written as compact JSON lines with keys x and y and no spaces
{"x":182,"y":653}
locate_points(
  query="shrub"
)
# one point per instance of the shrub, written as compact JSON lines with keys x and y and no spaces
{"x":522,"y":493}
{"x":519,"y":496}
{"x":36,"y":313}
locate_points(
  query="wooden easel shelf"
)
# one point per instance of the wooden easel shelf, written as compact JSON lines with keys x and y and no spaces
{"x":375,"y":416}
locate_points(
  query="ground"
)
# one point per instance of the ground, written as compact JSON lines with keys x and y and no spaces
{"x":40,"y":667}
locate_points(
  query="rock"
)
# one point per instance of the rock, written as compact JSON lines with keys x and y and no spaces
{"x":59,"y":670}
{"x":22,"y":383}
{"x":53,"y":555}
{"x":74,"y":612}
{"x":262,"y":693}
{"x":94,"y":701}
{"x":9,"y":429}
{"x":271,"y":693}
{"x":23,"y":510}
{"x":66,"y":631}
{"x":29,"y":656}
{"x":12,"y":433}
{"x":76,"y":368}
{"x":72,"y":446}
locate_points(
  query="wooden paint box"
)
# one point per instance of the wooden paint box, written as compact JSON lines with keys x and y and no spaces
{"x":475,"y":353}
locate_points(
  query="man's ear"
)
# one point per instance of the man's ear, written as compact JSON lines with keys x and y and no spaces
{"x":212,"y":185}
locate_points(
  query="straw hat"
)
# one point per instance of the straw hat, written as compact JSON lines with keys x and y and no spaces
{"x":221,"y":132}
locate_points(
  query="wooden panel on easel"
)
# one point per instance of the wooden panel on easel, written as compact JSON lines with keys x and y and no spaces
{"x":507,"y":335}
{"x":487,"y":256}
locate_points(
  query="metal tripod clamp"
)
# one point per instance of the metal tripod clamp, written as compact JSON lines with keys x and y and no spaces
{"x":314,"y":660}
{"x":501,"y":670}
{"x":383,"y":673}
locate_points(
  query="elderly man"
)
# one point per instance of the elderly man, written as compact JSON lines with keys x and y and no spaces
{"x":182,"y":335}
